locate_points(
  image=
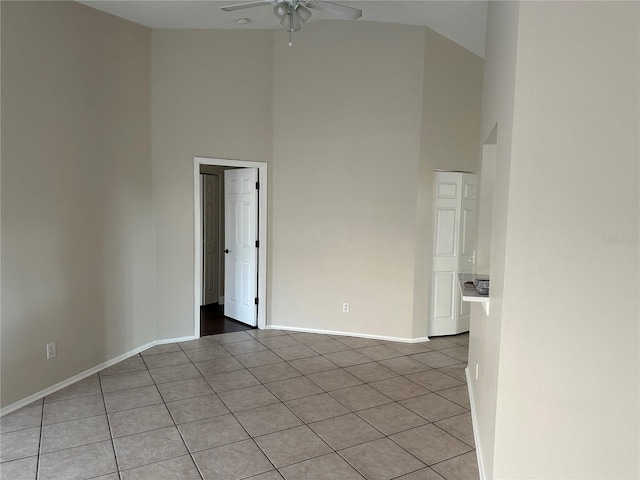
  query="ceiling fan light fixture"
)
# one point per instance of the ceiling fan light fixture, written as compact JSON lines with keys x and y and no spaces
{"x":291,"y":21}
{"x":296,"y":22}
{"x":281,"y":10}
{"x":303,"y":12}
{"x":293,"y":13}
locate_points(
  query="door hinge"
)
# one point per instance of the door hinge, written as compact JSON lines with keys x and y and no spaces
{"x":257,"y":243}
{"x":257,"y":185}
{"x":256,"y":300}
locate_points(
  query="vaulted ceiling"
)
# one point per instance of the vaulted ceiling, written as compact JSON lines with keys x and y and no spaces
{"x":464,"y":22}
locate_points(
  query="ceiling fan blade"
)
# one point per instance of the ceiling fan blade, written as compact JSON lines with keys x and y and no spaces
{"x":240,"y":6}
{"x":335,"y":9}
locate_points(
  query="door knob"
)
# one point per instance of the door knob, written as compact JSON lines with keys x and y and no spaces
{"x":226,"y":251}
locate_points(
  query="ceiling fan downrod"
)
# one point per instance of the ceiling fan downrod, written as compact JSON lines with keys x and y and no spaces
{"x":290,"y":29}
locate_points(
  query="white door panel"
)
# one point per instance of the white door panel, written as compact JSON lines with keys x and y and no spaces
{"x":453,"y":251}
{"x":444,"y":304}
{"x":241,"y":259}
{"x":449,"y":188}
{"x":446,"y":232}
{"x":468,"y":222}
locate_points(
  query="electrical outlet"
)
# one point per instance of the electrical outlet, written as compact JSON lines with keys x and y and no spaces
{"x":476,"y":371}
{"x":51,"y":350}
{"x":345,"y":308}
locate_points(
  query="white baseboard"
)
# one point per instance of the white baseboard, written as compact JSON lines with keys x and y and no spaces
{"x":87,"y":373}
{"x":175,"y":340}
{"x":483,"y":474}
{"x":347,"y":334}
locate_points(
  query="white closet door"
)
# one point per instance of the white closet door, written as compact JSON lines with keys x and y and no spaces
{"x":467,"y":244}
{"x":455,"y":196}
{"x":444,"y":302}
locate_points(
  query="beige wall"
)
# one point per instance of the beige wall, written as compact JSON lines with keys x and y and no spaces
{"x":570,"y":356}
{"x":450,"y":132}
{"x":347,"y":116}
{"x":119,"y":115}
{"x":564,"y":401}
{"x":211,"y":96}
{"x":77,"y":242}
{"x":343,"y":163}
{"x":497,"y":109}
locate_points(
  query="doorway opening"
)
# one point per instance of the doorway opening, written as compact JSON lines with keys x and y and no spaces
{"x":213,"y":321}
{"x":201,"y":296}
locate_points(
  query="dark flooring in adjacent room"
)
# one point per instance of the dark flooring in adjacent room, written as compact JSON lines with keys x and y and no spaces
{"x":213,"y":321}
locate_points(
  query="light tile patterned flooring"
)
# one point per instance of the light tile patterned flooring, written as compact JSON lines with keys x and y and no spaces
{"x":257,"y":404}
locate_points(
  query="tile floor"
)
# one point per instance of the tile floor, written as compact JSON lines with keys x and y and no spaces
{"x":256,"y":404}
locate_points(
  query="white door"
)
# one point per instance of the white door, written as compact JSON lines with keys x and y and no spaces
{"x":467,"y":244}
{"x":444,"y":302}
{"x":210,"y":242}
{"x":241,"y":252}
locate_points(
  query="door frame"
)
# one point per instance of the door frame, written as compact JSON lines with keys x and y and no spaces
{"x":262,"y":234}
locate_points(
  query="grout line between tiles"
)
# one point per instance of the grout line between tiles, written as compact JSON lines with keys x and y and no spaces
{"x":454,"y":436}
{"x":448,"y":459}
{"x":40,"y":439}
{"x":175,"y":425}
{"x":215,"y":343}
{"x":113,"y":446}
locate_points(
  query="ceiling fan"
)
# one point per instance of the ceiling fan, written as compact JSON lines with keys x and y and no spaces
{"x":293,"y":13}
